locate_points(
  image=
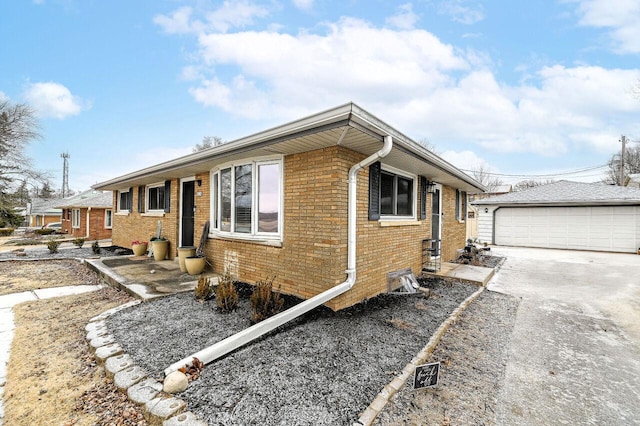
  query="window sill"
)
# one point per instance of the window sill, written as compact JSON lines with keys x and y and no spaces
{"x":389,"y":222}
{"x":153,"y":214}
{"x":251,"y":240}
{"x":122,"y":213}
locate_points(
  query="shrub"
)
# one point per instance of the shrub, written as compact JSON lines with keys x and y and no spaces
{"x":46,"y":231}
{"x":79,"y":242}
{"x":226,"y":294}
{"x":5,"y":232}
{"x":204,"y":289}
{"x":53,"y":245}
{"x":264,"y":301}
{"x":95,"y":247}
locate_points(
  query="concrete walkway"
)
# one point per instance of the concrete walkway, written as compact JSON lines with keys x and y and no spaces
{"x":575,"y":349}
{"x":7,"y":326}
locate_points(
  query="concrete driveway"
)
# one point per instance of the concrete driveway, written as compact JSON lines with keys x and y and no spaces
{"x":575,"y":351}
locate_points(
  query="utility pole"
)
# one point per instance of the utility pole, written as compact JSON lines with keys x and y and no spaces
{"x":65,"y":173}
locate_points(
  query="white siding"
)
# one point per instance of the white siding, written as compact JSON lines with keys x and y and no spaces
{"x":607,"y":228}
{"x":485,"y":223}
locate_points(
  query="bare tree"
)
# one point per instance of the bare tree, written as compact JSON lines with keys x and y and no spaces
{"x":531,"y":183}
{"x":429,"y":145}
{"x":631,"y":165}
{"x":18,"y":127}
{"x":208,"y":142}
{"x":485,"y":177}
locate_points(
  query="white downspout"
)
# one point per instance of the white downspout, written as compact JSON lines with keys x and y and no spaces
{"x":245,"y":336}
{"x":88,"y":221}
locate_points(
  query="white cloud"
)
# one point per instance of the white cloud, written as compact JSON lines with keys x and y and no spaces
{"x":462,"y":11}
{"x":303,"y":4}
{"x":53,"y":100}
{"x":620,"y":18}
{"x":405,"y":19}
{"x":178,"y":22}
{"x":352,"y":60}
{"x":467,"y":160}
{"x":417,"y":83}
{"x":231,"y":14}
{"x":3,"y":97}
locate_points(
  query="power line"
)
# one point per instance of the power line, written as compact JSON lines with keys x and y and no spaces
{"x":572,"y":172}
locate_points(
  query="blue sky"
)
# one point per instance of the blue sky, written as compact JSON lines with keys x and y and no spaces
{"x":522,"y":88}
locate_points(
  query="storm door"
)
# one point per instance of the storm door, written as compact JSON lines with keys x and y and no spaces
{"x":187,"y":213}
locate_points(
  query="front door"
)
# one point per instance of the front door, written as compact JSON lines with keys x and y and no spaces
{"x":436,"y":219}
{"x":187,"y":213}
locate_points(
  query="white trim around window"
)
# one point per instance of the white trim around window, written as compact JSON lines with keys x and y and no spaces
{"x":75,"y":218}
{"x":108,"y":218}
{"x":247,"y":200}
{"x":124,"y":200}
{"x":154,"y":198}
{"x":398,"y":194}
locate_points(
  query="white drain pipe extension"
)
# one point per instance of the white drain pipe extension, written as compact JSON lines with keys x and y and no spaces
{"x":238,"y":340}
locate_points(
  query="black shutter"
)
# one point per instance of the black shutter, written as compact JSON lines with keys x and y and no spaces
{"x":464,"y":203}
{"x":423,"y":198}
{"x":458,"y":204}
{"x":167,"y":196}
{"x":141,"y":199}
{"x":130,"y":199}
{"x":374,"y":191}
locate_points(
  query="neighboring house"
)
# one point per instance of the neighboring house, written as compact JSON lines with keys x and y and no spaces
{"x":88,"y":215}
{"x":472,"y":214}
{"x":41,"y":212}
{"x":566,"y":215}
{"x":279,"y":203}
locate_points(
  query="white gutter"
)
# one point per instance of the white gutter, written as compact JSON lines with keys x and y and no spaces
{"x":238,"y":340}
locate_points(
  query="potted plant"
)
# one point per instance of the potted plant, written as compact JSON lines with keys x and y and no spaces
{"x":160,"y":248}
{"x":139,"y":247}
{"x":183,"y":253}
{"x":195,"y":264}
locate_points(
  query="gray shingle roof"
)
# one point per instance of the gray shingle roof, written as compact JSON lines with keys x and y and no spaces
{"x":567,"y":193}
{"x":91,"y":198}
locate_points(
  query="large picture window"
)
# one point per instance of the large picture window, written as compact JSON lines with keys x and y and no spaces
{"x":155,"y":197}
{"x":396,"y":194}
{"x":247,"y":199}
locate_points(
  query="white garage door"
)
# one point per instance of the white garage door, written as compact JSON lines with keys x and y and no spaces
{"x":615,"y":228}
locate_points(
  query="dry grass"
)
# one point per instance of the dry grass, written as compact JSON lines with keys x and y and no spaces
{"x":51,"y":372}
{"x":17,"y":276}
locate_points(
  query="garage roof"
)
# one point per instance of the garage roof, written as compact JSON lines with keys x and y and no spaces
{"x":566,"y":192}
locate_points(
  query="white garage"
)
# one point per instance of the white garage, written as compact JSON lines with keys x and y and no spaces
{"x":565,"y":215}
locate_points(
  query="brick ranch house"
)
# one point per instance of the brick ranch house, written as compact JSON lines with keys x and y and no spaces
{"x":88,"y":215}
{"x":282,"y":202}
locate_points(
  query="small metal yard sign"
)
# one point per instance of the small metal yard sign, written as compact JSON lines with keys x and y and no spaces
{"x":426,"y":375}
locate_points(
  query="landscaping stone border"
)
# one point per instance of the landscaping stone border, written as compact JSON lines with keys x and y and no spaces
{"x":160,"y":408}
{"x":369,"y":415}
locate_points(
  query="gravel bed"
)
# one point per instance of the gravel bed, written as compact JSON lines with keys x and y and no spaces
{"x":42,"y":252}
{"x":324,"y":368}
{"x":473,"y":355}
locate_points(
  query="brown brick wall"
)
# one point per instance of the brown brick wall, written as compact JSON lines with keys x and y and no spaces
{"x":142,"y":227}
{"x":97,"y":231}
{"x":313,"y":255}
{"x":454,"y":233}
